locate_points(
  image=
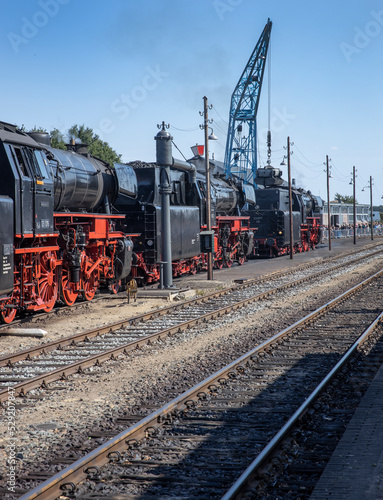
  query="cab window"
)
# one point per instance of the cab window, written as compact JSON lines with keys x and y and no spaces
{"x":42,"y":164}
{"x":21,"y":161}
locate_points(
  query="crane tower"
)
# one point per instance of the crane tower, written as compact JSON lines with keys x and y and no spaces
{"x":241,"y":144}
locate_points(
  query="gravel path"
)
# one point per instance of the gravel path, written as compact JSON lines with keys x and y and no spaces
{"x":60,"y":420}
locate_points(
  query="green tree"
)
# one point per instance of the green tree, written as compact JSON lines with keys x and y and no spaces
{"x":344,"y":198}
{"x":34,"y":129}
{"x":39,"y":129}
{"x":57,"y":139}
{"x":96,"y":146}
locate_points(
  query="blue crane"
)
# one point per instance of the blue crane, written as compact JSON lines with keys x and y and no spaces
{"x":241,"y":144}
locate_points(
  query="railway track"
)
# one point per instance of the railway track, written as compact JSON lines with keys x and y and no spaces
{"x":197,"y":445}
{"x":39,"y":366}
{"x":374,"y":248}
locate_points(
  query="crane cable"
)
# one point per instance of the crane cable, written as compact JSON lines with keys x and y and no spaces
{"x":269,"y":105}
{"x":269,"y":87}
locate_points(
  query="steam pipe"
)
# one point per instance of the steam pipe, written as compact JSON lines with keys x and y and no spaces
{"x":186,"y":167}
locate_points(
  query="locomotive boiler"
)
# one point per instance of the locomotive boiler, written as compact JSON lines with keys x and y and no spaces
{"x":59,"y":238}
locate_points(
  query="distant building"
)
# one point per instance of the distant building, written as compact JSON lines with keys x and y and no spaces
{"x":376,"y":216}
{"x":342,"y":214}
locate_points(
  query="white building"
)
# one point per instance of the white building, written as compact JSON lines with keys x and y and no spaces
{"x":342,"y":214}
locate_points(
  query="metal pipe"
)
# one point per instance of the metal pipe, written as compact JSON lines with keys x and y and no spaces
{"x":164,"y":161}
{"x":186,"y":167}
{"x":166,"y":244}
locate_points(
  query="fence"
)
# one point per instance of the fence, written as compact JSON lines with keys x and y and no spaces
{"x":361,"y":232}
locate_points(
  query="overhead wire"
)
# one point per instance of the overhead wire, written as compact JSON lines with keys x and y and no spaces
{"x":315,"y":164}
{"x":184,"y":130}
{"x":223,"y":119}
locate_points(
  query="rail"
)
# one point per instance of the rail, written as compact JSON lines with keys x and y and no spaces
{"x":236,"y":491}
{"x":67,"y":478}
{"x":62,"y":372}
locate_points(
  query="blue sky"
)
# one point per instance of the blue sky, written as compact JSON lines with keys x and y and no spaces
{"x":121,"y":67}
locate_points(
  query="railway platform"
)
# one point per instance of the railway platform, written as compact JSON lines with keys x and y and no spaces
{"x":253,"y":268}
{"x":355,"y":470}
{"x":259,"y":267}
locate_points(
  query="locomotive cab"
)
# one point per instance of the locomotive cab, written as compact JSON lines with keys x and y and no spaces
{"x":26,"y":179}
{"x":6,"y":247}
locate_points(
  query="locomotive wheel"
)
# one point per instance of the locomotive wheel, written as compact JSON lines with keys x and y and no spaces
{"x":47,"y":286}
{"x":88,"y":284}
{"x":8,"y":314}
{"x":114,"y":288}
{"x":218,"y":264}
{"x":193,"y":269}
{"x":68,"y":294}
{"x":241,"y":260}
{"x":228,"y":263}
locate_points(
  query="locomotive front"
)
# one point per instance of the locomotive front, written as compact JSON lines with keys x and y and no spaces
{"x":60,"y":239}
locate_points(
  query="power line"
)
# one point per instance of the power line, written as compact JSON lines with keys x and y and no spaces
{"x":184,"y":130}
{"x":223,"y":119}
{"x":313,"y":163}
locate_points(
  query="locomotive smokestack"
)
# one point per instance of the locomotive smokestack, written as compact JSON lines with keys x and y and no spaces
{"x":41,"y":137}
{"x":77,"y":147}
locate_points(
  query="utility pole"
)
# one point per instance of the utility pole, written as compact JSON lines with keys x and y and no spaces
{"x":208,"y":195}
{"x":354,"y":202}
{"x":328,"y":203}
{"x":371,"y":210}
{"x":290,"y":200}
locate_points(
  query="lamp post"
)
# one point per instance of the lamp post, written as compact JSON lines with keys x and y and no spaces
{"x":205,"y":126}
{"x":290,"y":200}
{"x":289,"y":153}
{"x":328,"y":202}
{"x":371,"y":208}
{"x":353,"y":202}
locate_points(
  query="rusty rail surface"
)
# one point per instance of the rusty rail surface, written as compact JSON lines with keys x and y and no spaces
{"x":109,"y":451}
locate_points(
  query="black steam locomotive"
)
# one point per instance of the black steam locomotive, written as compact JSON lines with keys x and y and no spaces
{"x":72,"y":224}
{"x":271,"y":215}
{"x":59,"y":238}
